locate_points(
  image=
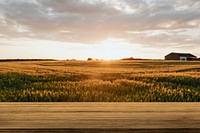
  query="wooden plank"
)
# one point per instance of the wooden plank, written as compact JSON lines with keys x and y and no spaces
{"x":102,"y":116}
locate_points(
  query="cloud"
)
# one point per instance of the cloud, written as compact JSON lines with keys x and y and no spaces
{"x":152,"y":23}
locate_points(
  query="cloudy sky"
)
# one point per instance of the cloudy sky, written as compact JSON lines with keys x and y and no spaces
{"x":106,"y":29}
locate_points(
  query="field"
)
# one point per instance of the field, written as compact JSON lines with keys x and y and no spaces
{"x":100,"y":81}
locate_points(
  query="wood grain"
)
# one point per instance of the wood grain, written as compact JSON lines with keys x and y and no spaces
{"x":32,"y":117}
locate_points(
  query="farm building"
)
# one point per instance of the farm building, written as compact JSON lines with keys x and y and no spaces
{"x":180,"y":56}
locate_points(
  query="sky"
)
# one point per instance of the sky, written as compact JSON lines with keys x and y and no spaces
{"x":103,"y":29}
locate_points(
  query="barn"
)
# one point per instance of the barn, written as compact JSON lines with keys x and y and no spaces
{"x":180,"y":56}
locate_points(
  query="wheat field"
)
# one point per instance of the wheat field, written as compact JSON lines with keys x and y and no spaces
{"x":100,"y":81}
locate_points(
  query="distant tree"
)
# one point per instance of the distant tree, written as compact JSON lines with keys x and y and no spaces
{"x":89,"y":59}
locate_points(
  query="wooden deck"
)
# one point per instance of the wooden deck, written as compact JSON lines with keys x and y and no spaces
{"x":99,"y":117}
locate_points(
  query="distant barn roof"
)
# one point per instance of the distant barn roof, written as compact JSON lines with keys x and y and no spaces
{"x":183,"y":54}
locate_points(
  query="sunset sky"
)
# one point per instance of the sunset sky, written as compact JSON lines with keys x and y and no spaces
{"x":104,"y":29}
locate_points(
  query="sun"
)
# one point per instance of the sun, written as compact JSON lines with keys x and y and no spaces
{"x":108,"y":50}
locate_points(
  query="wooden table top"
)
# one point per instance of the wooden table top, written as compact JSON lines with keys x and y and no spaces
{"x":62,"y":117}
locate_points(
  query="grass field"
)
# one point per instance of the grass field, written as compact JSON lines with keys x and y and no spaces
{"x":100,"y":81}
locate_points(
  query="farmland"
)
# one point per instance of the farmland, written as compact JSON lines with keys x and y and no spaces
{"x":100,"y":81}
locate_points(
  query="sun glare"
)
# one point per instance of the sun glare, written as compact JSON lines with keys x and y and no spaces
{"x":108,"y":50}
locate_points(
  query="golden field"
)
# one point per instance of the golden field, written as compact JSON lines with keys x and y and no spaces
{"x":100,"y":81}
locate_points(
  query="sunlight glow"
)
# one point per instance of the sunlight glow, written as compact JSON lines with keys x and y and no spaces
{"x":109,"y":49}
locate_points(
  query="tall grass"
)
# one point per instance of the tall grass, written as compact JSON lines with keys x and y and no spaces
{"x":117,"y":81}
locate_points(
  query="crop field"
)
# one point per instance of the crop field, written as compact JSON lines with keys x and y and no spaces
{"x":100,"y":81}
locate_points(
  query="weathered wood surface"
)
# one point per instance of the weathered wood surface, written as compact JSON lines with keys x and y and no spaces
{"x":64,"y":117}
